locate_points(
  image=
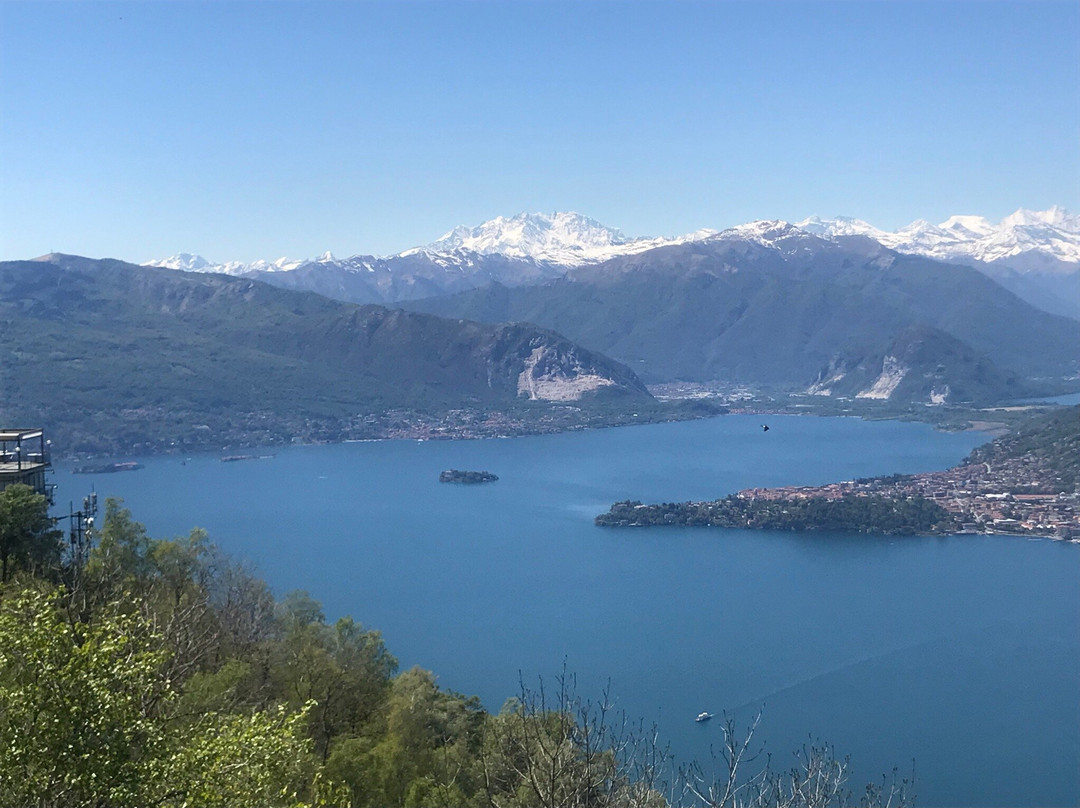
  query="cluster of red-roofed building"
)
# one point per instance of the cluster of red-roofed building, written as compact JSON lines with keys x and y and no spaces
{"x":1015,"y":495}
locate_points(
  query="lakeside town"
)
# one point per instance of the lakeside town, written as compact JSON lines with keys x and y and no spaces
{"x":1014,"y":495}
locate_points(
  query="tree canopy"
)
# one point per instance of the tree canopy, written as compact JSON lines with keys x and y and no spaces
{"x":28,"y":537}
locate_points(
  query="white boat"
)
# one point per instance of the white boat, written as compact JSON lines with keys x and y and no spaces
{"x":703,"y":717}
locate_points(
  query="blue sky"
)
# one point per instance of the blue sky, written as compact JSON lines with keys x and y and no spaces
{"x":257,"y":130}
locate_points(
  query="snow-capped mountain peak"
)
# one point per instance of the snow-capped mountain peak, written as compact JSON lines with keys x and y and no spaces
{"x":839,"y":226}
{"x":280,"y":265}
{"x":1034,"y":253}
{"x":563,"y":238}
{"x":1055,"y":217}
{"x":558,"y":237}
{"x":968,"y":226}
{"x":772,"y":233}
{"x":763,"y":230}
{"x":183,"y":261}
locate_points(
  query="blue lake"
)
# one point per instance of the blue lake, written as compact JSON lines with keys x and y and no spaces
{"x":962,"y":653}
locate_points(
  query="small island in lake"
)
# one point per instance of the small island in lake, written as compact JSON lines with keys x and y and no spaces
{"x":235,"y":458}
{"x":107,"y":468}
{"x":456,"y":476}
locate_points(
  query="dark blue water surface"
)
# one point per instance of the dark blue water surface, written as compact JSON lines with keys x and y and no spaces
{"x":962,"y":653}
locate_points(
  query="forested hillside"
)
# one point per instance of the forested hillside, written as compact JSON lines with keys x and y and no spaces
{"x":111,"y":356}
{"x":1052,"y":439}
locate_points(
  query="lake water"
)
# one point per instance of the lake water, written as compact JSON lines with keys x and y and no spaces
{"x":962,"y":653}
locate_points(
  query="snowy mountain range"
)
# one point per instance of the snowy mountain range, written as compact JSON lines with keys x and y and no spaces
{"x":559,"y":239}
{"x":1026,"y":241}
{"x":1036,"y":254}
{"x":196,"y":263}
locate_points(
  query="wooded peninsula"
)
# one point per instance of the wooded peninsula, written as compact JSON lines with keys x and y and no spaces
{"x":869,"y":514}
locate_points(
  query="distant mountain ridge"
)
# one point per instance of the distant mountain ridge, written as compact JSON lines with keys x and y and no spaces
{"x":1035,"y":254}
{"x":516,"y":251}
{"x":771,"y":303}
{"x":561,"y":239}
{"x":1031,"y":240}
{"x":368,"y":279}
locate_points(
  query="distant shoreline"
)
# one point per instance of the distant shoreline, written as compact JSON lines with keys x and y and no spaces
{"x":412,"y":426}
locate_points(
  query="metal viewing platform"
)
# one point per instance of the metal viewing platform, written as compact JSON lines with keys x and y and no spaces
{"x":24,"y":458}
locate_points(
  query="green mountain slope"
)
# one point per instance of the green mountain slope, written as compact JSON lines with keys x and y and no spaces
{"x":103,"y":346}
{"x":785,"y":311}
{"x":1051,"y":440}
{"x":921,"y":363}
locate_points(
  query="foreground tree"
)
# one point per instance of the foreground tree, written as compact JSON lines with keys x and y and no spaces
{"x":87,"y":718}
{"x":549,"y":748}
{"x":28,"y":538}
{"x":343,"y":670}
